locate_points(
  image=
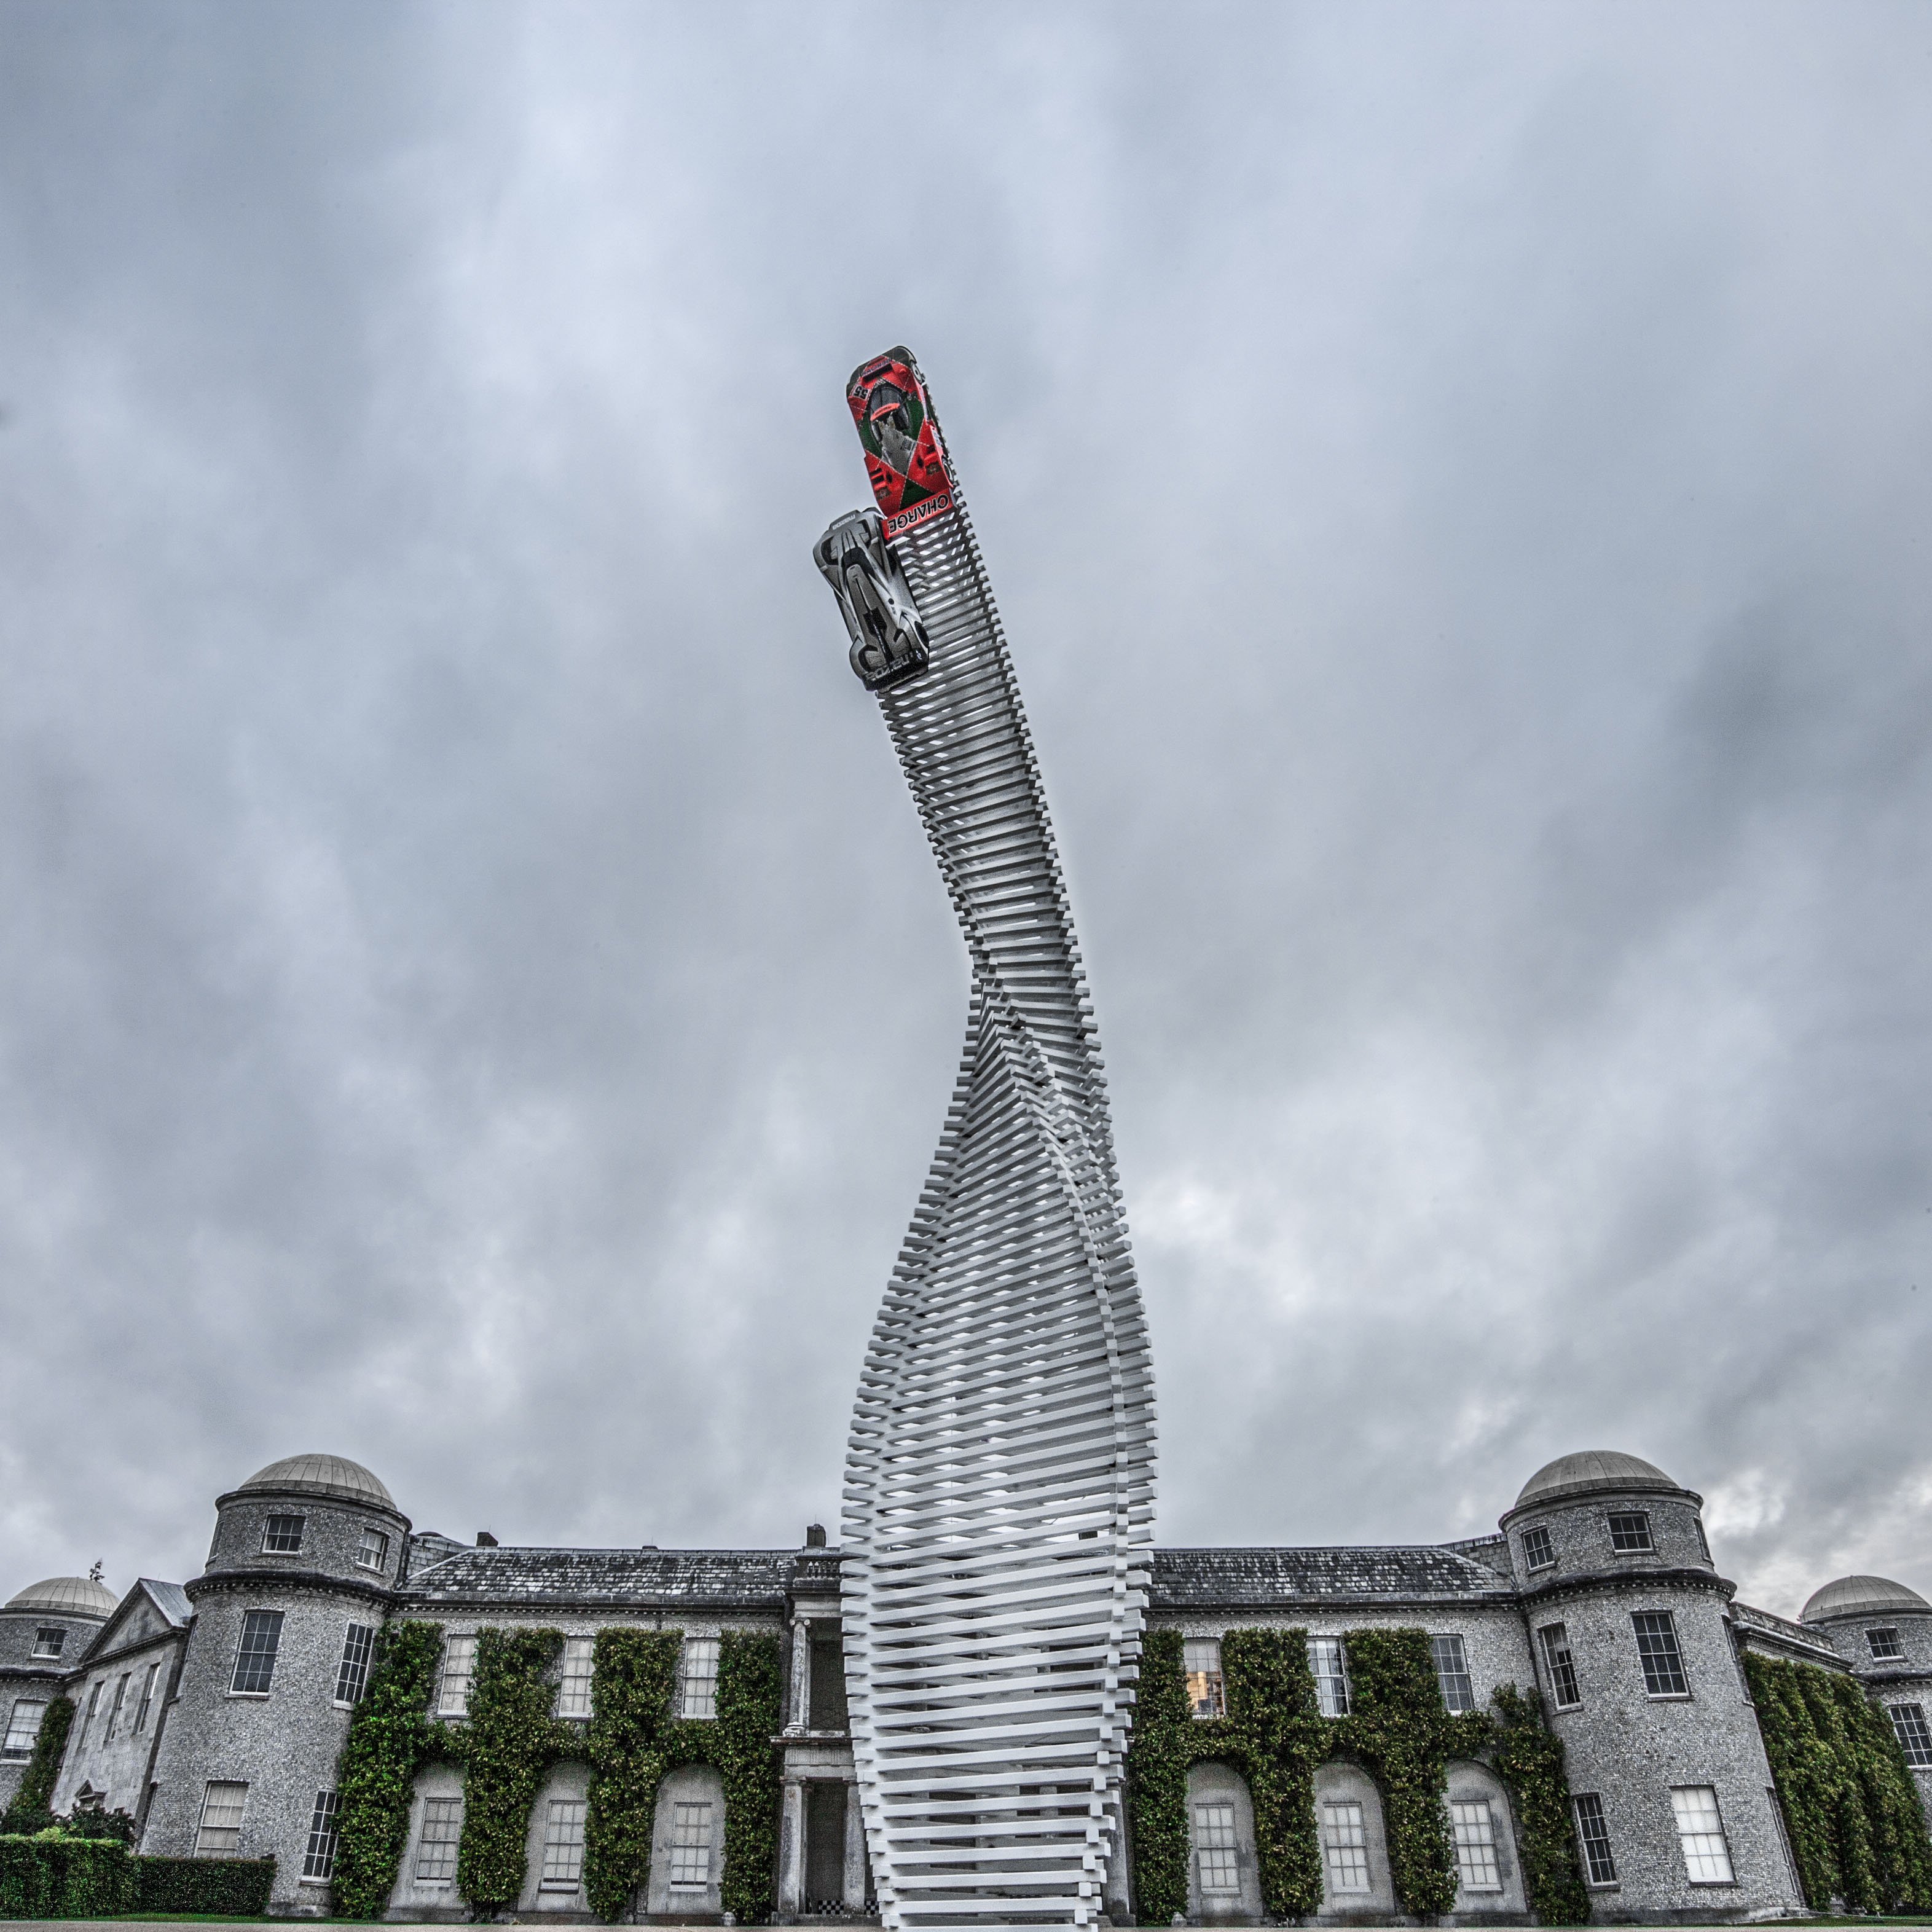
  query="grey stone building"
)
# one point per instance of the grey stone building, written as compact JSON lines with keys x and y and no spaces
{"x":214,"y":1712}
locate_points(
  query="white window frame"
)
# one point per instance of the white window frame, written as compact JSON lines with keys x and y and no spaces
{"x":563,"y":1845}
{"x":1551,"y":1639}
{"x":1667,"y":1631}
{"x":1472,"y":1824}
{"x":242,"y":1653}
{"x":1701,"y":1836}
{"x":114,"y":1711}
{"x":219,"y":1816}
{"x":268,"y":1529}
{"x":1894,"y":1651}
{"x":1914,"y":1735}
{"x":1459,"y":1668}
{"x":573,"y":1685}
{"x":351,"y":1671}
{"x":458,"y":1669}
{"x":1627,"y":1542}
{"x":697,"y":1690}
{"x":42,"y":1648}
{"x":691,"y":1834}
{"x":1345,"y":1848}
{"x":1216,"y":1856}
{"x":21,"y":1735}
{"x":1331,"y":1685}
{"x":435,"y":1856}
{"x":1539,"y":1550}
{"x":1592,"y":1843}
{"x":325,"y":1839}
{"x":376,"y":1559}
{"x":1206,"y":1688}
{"x":147,"y":1698}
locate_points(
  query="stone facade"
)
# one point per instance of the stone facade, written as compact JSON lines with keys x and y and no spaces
{"x":215,"y":1712}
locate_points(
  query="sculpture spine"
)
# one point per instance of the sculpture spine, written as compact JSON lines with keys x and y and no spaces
{"x":999,"y":1495}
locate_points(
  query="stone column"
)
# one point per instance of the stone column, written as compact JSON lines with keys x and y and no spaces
{"x":798,"y":1707}
{"x":791,"y":1851}
{"x":855,"y":1851}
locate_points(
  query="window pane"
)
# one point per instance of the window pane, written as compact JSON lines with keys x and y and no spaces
{"x":699,"y":1677}
{"x":573,"y":1694}
{"x":459,"y":1659}
{"x":1657,"y":1645}
{"x":1915,"y":1737}
{"x":1885,"y":1643}
{"x":282,"y":1535}
{"x":1331,"y":1678}
{"x":1593,"y":1833}
{"x":359,"y":1642}
{"x":1707,"y":1857}
{"x":23,"y":1727}
{"x":220,"y":1832}
{"x":1630,"y":1530}
{"x":319,"y":1861}
{"x":147,"y":1697}
{"x":49,"y":1643}
{"x":1538,"y":1551}
{"x":1561,"y":1666}
{"x":1475,"y":1845}
{"x":1452,"y":1673}
{"x":1214,"y":1847}
{"x":436,"y":1849}
{"x":1345,"y":1847}
{"x":255,"y":1660}
{"x":563,"y":1844}
{"x":1201,"y":1658}
{"x":691,"y":1846}
{"x":374,"y":1550}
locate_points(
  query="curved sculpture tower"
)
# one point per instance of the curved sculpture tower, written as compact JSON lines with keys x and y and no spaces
{"x":999,"y":1497}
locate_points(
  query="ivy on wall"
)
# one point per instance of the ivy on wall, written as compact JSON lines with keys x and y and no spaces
{"x":34,"y":1793}
{"x":1397,"y":1731}
{"x":1851,"y":1804}
{"x":511,"y":1741}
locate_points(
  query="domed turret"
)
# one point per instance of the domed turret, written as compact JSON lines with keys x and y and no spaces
{"x":1585,"y":1471}
{"x":314,"y":1515}
{"x":1862,"y":1596}
{"x":318,"y":1475}
{"x":67,"y":1596}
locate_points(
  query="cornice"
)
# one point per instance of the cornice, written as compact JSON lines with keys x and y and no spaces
{"x":222,"y":1581}
{"x":1623,"y":1582}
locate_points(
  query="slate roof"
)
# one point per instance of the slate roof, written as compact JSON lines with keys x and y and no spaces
{"x":729,"y":1579}
{"x":170,"y":1599}
{"x":1214,"y":1578}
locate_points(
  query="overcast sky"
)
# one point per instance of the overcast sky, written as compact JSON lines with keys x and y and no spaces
{"x":474,"y":996}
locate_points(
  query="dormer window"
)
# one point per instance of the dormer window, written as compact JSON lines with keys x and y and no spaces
{"x":49,"y":1641}
{"x":373,"y":1552}
{"x":1630,"y":1532}
{"x":1885,"y":1644}
{"x":282,"y":1535}
{"x":1538,"y":1553}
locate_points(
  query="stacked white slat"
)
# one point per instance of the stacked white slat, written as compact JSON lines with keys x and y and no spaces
{"x":999,"y":1477}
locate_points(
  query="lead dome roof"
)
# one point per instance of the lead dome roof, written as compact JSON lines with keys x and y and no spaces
{"x":1583,"y":1470}
{"x":1860,"y":1596}
{"x":69,"y":1596}
{"x":319,"y":1475}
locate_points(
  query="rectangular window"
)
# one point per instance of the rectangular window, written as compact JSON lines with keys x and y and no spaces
{"x":1345,"y":1846}
{"x":1538,"y":1553}
{"x":1475,"y":1830}
{"x":1662,"y":1667}
{"x":1908,"y":1722}
{"x":1201,"y":1658}
{"x":1452,"y":1673}
{"x":1593,"y":1833}
{"x":1214,"y":1848}
{"x":48,"y":1642}
{"x":120,"y":1698}
{"x":358,"y":1645}
{"x":255,"y":1660}
{"x":436,"y":1849}
{"x":1564,"y":1694}
{"x":1885,"y":1644}
{"x":1707,"y":1857}
{"x":93,"y":1705}
{"x":1630,"y":1532}
{"x":563,"y":1845}
{"x":1703,"y":1541}
{"x":221,"y":1833}
{"x":1331,"y":1675}
{"x":373,"y":1552}
{"x":691,"y":1847}
{"x":319,"y":1861}
{"x":147,"y":1698}
{"x":698,"y":1677}
{"x":459,"y":1661}
{"x":282,"y":1535}
{"x":573,"y":1690}
{"x":23,"y":1725}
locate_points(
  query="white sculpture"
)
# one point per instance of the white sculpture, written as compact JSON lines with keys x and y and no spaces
{"x":999,"y":1497}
